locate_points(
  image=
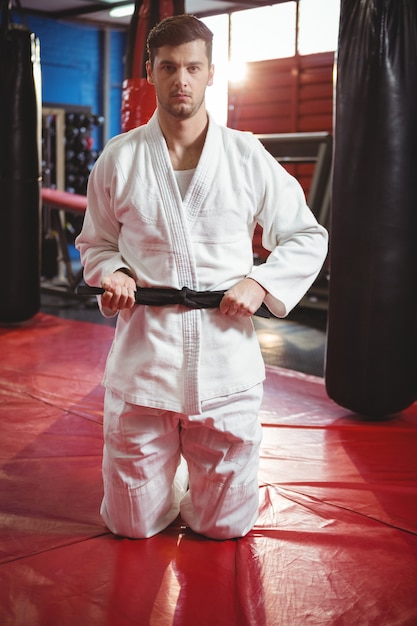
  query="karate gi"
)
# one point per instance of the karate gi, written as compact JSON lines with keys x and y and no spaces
{"x":173,"y":359}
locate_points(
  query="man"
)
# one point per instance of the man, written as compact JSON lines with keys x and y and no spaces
{"x":174,"y":204}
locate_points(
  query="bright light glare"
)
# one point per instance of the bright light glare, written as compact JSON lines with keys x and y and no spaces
{"x":318,"y":26}
{"x":237,"y":71}
{"x":124,"y":11}
{"x":216,"y":94}
{"x":263,"y":33}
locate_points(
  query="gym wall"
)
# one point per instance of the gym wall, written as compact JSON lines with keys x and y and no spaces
{"x":72,"y":60}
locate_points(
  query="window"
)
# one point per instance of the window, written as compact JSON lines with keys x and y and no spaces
{"x":318,"y":25}
{"x":216,"y":95}
{"x":267,"y":33}
{"x":264,"y":33}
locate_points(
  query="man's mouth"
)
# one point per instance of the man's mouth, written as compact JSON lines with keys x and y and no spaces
{"x":181,"y":96}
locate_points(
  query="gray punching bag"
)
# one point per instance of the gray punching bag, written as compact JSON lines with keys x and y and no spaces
{"x":20,"y":180}
{"x":371,"y":352}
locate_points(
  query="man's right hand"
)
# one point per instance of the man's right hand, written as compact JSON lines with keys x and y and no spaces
{"x":119,"y":292}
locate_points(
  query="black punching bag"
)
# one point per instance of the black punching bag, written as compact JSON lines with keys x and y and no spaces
{"x":371,"y":353}
{"x":20,"y":127}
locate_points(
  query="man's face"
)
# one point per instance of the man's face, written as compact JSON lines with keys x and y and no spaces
{"x":180,"y":75}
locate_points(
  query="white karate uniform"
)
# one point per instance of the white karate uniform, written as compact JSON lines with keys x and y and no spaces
{"x":221,"y":448}
{"x":172,"y":358}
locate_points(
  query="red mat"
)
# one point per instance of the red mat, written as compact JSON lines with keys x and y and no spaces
{"x":335,"y":542}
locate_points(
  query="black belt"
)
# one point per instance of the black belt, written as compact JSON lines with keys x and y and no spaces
{"x":164,"y":296}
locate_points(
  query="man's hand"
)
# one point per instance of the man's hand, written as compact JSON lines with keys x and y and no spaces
{"x":243,"y":299}
{"x":119,"y":291}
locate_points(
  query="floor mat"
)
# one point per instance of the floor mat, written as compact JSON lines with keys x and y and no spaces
{"x":335,"y":542}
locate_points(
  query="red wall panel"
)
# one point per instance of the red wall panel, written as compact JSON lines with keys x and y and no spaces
{"x":285,"y":96}
{"x":290,"y":95}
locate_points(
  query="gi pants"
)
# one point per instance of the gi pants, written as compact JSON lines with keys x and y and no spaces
{"x":146,"y":483}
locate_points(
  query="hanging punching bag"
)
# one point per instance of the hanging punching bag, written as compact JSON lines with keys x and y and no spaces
{"x":20,"y":124}
{"x":372,"y":341}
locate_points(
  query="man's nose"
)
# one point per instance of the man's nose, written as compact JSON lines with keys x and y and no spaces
{"x":181,"y":76}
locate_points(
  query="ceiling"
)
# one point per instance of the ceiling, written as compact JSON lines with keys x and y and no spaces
{"x":97,"y":11}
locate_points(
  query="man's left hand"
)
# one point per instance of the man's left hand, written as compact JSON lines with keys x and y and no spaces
{"x":243,"y":299}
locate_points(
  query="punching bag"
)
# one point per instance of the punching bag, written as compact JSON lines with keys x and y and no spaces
{"x":372,"y":340}
{"x":20,"y":179}
{"x":138,"y":96}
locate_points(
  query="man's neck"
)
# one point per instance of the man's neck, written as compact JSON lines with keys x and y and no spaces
{"x":185,"y":139}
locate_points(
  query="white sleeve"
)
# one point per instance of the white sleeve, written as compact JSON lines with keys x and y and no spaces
{"x":297,"y":242}
{"x":99,"y":237}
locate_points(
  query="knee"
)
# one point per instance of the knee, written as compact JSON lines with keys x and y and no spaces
{"x":225,"y":514}
{"x":123,"y":525}
{"x":226,"y":532}
{"x":222,"y":530}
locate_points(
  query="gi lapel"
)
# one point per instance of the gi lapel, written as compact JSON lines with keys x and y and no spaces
{"x":185,"y":264}
{"x":173,"y":206}
{"x":203,"y":178}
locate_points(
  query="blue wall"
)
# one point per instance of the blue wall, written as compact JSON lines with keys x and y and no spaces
{"x":118,"y":43}
{"x":72,"y":66}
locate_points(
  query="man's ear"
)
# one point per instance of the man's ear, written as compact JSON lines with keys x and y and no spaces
{"x":149,"y":72}
{"x":211,"y":74}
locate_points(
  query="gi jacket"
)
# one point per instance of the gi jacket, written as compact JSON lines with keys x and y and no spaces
{"x":172,"y":357}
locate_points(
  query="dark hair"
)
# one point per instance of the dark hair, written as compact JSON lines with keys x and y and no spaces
{"x":176,"y":30}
